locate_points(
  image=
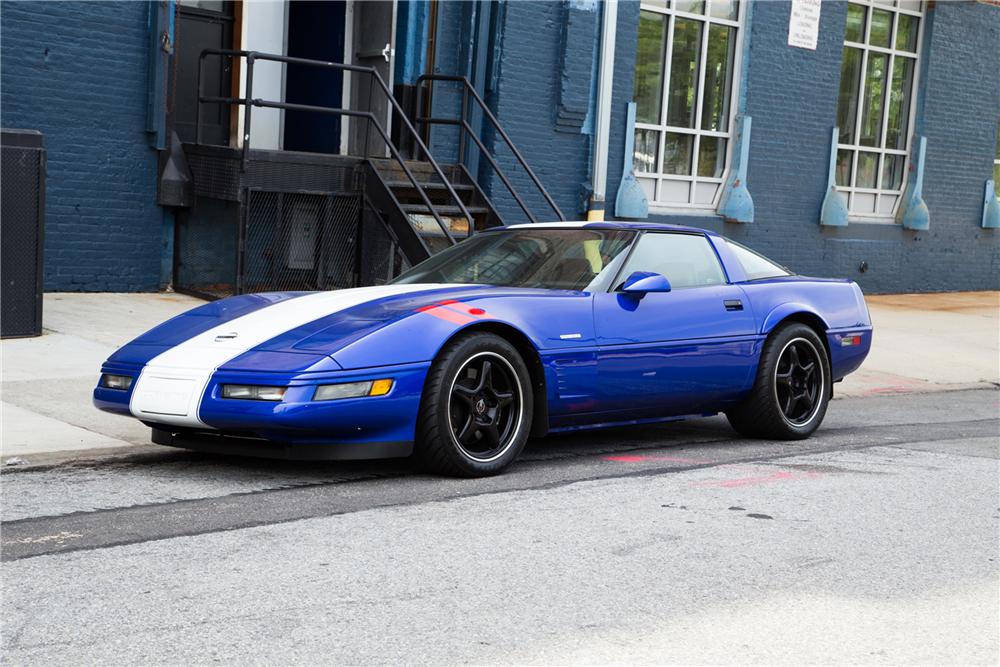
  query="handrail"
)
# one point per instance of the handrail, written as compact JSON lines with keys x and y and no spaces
{"x":248,"y":102}
{"x":468,"y":88}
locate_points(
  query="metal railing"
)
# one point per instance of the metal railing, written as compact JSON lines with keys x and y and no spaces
{"x":468,"y":90}
{"x":248,"y":102}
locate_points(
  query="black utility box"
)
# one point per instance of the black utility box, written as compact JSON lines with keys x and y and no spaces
{"x":22,"y":225}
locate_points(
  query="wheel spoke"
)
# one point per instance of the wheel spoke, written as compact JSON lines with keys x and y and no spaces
{"x":784,"y":379}
{"x":490,"y":434}
{"x":789,"y":401}
{"x":504,"y":398}
{"x":465,"y":394}
{"x":807,"y":370}
{"x":804,"y":397}
{"x":485,"y":376}
{"x":468,"y":429}
{"x":793,"y":356}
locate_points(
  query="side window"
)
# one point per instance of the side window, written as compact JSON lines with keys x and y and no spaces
{"x":754,"y":265}
{"x":687,"y":260}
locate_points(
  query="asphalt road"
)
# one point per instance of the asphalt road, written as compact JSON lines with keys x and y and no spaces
{"x":876,"y":541}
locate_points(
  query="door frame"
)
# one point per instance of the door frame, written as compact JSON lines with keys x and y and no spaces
{"x":349,"y":58}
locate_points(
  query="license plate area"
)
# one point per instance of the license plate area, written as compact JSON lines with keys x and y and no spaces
{"x":165,"y":396}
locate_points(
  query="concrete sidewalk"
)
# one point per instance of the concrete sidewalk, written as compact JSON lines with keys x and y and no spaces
{"x":923,"y":342}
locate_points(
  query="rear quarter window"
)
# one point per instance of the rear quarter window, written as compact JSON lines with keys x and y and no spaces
{"x":755,"y":265}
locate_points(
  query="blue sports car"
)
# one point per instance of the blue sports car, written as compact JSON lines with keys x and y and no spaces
{"x":515,"y":332}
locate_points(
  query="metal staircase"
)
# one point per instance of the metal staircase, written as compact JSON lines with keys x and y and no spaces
{"x":413,"y":220}
{"x":407,"y":209}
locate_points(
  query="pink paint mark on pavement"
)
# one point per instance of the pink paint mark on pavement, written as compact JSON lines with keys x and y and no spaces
{"x":638,"y":458}
{"x":755,"y":481}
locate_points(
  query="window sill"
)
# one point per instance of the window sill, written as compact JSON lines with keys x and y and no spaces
{"x":708,"y":212}
{"x":885,"y":220}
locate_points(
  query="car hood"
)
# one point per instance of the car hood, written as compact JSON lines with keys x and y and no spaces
{"x":246,"y":332}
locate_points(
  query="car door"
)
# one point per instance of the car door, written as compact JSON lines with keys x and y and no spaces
{"x":679,"y":352}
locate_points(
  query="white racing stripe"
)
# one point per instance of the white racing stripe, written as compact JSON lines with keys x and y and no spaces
{"x":170,"y":386}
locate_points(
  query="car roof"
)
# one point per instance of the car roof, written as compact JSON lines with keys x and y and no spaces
{"x":610,"y":224}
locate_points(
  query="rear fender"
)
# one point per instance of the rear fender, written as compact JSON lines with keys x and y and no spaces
{"x":785,"y":310}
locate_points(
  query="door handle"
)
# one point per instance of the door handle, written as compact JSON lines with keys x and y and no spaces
{"x":733,"y":304}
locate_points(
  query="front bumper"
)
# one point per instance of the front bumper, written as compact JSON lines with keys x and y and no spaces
{"x":366,"y":427}
{"x":223,"y":443}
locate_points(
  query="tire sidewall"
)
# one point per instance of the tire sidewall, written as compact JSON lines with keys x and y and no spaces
{"x":455,"y":356}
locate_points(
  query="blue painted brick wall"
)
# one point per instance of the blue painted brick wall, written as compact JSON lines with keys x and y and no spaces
{"x":527,"y":105}
{"x":77,"y":72}
{"x":792,"y":96}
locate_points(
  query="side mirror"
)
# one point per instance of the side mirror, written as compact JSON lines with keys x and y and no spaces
{"x":641,"y":282}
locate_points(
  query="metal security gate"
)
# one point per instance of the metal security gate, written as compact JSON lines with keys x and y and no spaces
{"x":299,"y":241}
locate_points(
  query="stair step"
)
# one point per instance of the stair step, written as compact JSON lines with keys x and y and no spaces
{"x":442,"y":210}
{"x":427,"y":226}
{"x":403,"y":185}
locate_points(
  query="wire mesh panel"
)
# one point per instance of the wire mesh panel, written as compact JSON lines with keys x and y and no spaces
{"x":205,"y":248}
{"x":380,"y":258}
{"x":296,"y":241}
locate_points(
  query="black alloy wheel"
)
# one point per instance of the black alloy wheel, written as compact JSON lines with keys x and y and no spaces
{"x":792,"y":388}
{"x":798,"y":381}
{"x":477,"y":406}
{"x":485,"y":406}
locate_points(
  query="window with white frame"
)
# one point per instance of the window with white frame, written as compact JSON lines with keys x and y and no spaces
{"x":875,"y":109}
{"x":684,"y":72}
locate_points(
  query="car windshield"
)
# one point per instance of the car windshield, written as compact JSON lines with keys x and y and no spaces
{"x":570,"y":259}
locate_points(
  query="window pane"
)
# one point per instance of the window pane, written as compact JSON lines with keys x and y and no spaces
{"x":906,"y":32}
{"x":711,"y":157}
{"x":881,"y":28}
{"x":847,"y":105}
{"x":684,"y":72}
{"x":899,"y":102}
{"x":855,"y":24}
{"x":892,"y":172}
{"x":996,"y":179}
{"x":644,"y":157}
{"x":871,"y":109}
{"x":704,"y":193}
{"x":692,"y":6}
{"x":677,"y":153}
{"x":845,"y":161}
{"x":718,"y":76}
{"x":687,"y":260}
{"x":725,"y":9}
{"x":754,"y":265}
{"x":648,"y":90}
{"x":675,"y":192}
{"x":867,"y":170}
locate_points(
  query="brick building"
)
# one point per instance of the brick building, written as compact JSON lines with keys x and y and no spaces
{"x":868,"y":149}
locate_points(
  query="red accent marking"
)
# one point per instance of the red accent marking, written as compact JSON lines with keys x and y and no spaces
{"x":638,"y":458}
{"x":446,"y":314}
{"x":754,"y":481}
{"x":444,"y":310}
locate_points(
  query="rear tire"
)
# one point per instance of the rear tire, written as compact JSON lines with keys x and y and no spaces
{"x":476,"y":410}
{"x":792,"y":388}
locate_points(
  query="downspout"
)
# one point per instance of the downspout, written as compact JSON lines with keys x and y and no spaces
{"x":602,"y":125}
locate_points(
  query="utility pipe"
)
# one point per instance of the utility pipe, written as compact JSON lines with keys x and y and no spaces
{"x":602,"y":124}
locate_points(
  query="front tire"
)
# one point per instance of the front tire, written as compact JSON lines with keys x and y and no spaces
{"x":476,"y":410}
{"x":792,"y":389}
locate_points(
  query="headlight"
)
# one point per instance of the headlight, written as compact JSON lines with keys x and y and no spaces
{"x":120,"y":382}
{"x":252,"y":392}
{"x":331,"y":392}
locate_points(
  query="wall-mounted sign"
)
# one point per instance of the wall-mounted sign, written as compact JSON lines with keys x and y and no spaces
{"x":803,"y":24}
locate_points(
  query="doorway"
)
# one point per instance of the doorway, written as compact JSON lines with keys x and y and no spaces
{"x":203,"y":24}
{"x":316,"y":31}
{"x":372,"y":44}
